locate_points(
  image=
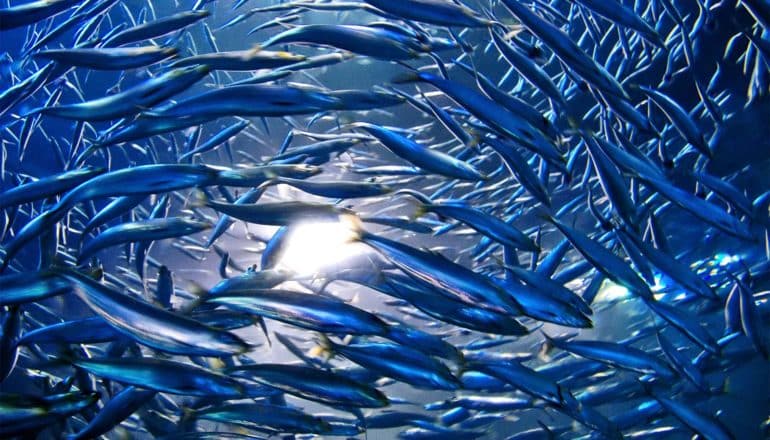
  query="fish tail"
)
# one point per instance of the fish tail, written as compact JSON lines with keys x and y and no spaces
{"x":34,"y":111}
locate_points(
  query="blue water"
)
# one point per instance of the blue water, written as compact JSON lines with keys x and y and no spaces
{"x":734,"y":73}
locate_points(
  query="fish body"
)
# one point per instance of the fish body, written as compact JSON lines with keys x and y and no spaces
{"x":146,"y":230}
{"x":133,"y":100}
{"x":120,"y":58}
{"x":314,"y":384}
{"x":155,"y":327}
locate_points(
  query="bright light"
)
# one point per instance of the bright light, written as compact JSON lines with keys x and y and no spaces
{"x":725,"y":259}
{"x":611,"y":292}
{"x":313,"y":246}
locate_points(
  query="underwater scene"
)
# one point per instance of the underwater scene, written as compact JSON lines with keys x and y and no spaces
{"x":385,"y":219}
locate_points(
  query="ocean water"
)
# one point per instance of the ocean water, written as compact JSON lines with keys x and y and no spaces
{"x":680,"y":206}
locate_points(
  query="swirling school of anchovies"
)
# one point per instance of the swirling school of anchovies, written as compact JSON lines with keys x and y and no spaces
{"x":417,"y":219}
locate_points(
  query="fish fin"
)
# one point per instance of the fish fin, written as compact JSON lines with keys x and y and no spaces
{"x":325,"y":348}
{"x":263,"y":326}
{"x":546,"y":347}
{"x":33,"y":112}
{"x":188,"y":414}
{"x":420,"y":210}
{"x":198,"y":199}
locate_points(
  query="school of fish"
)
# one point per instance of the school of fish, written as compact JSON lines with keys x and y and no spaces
{"x":552,"y":219}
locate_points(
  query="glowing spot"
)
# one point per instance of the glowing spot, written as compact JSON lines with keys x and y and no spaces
{"x":725,"y":259}
{"x":611,"y":292}
{"x":313,"y":246}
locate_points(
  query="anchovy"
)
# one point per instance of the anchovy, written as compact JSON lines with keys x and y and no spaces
{"x":486,"y":224}
{"x":279,"y":213}
{"x":119,"y":407}
{"x":163,"y":376}
{"x":371,"y":41}
{"x":702,"y":424}
{"x":616,"y":354}
{"x":114,"y":209}
{"x":681,"y":120}
{"x":423,"y":157}
{"x":271,"y":418}
{"x":453,"y":280}
{"x":312,"y":312}
{"x":313,"y":384}
{"x":216,"y":140}
{"x":397,"y":361}
{"x":29,"y":415}
{"x":82,"y":331}
{"x":47,"y":186}
{"x":109,"y":58}
{"x":32,"y":12}
{"x":565,"y":49}
{"x":437,"y":12}
{"x":131,"y":101}
{"x":247,"y":100}
{"x":152,"y":326}
{"x":25,"y":287}
{"x":493,"y":115}
{"x":156,"y":28}
{"x":146,"y":230}
{"x":683,"y":322}
{"x":612,"y":266}
{"x":338,"y":189}
{"x":253,"y":59}
{"x":523,"y":378}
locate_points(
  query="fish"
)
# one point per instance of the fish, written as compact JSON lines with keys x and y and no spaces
{"x":425,"y":158}
{"x":31,"y":12}
{"x":492,"y":114}
{"x":119,"y":58}
{"x":270,"y":418}
{"x":147,"y":230}
{"x":434,"y":12}
{"x":162,"y":376}
{"x":380,"y":43}
{"x":131,"y":101}
{"x":277,"y":214}
{"x":303,"y":310}
{"x":313,"y":384}
{"x":117,"y":409}
{"x":616,"y":354}
{"x":142,"y":321}
{"x":274,"y":100}
{"x":399,"y":362}
{"x":23,"y":414}
{"x":254,"y":59}
{"x":450,"y":279}
{"x":47,"y":186}
{"x":155,"y":28}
